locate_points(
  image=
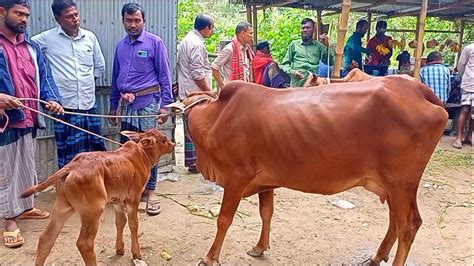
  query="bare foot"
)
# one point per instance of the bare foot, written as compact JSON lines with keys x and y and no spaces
{"x":457,"y":144}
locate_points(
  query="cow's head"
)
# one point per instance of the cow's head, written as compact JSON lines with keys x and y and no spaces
{"x":152,"y":141}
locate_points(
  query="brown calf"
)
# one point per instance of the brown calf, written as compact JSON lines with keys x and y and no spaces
{"x":93,"y":179}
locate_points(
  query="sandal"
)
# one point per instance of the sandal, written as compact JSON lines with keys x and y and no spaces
{"x":15,"y":234}
{"x":153,"y":207}
{"x":34,"y":214}
{"x":457,"y":145}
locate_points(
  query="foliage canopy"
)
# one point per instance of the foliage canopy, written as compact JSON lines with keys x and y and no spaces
{"x":282,"y":25}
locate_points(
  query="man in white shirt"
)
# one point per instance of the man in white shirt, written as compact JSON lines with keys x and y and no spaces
{"x":76,"y":61}
{"x":466,"y":71}
{"x":194,"y":73}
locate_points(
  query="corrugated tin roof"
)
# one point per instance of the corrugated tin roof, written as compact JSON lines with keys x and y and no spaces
{"x":446,"y":9}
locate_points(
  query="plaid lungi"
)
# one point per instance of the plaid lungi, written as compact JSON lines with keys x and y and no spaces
{"x":141,"y":125}
{"x":189,"y":148}
{"x":17,"y":170}
{"x":71,"y":141}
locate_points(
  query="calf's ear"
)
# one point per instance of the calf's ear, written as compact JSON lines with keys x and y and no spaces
{"x":131,"y":135}
{"x":147,"y":142}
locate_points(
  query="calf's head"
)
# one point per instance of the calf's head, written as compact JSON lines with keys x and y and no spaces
{"x":152,"y":141}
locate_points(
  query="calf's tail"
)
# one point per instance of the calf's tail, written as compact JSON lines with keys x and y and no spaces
{"x":48,"y":182}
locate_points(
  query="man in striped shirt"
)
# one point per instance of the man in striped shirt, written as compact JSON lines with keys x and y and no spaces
{"x":436,"y":76}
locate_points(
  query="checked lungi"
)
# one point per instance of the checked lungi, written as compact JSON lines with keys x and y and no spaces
{"x":141,"y":125}
{"x":189,"y":148}
{"x":17,"y":170}
{"x":71,"y":141}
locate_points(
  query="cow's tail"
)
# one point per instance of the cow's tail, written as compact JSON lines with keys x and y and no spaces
{"x":48,"y":182}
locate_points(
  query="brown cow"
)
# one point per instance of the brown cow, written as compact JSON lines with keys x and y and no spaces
{"x":93,"y":179}
{"x":378,"y":134}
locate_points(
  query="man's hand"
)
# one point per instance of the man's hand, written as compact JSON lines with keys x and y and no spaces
{"x":299,"y":75}
{"x":353,"y":65}
{"x":9,"y":102}
{"x":55,"y":108}
{"x":163,"y":117}
{"x":113,"y":120}
{"x":324,"y":39}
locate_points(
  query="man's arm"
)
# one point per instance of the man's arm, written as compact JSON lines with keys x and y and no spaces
{"x":462,"y":62}
{"x":115,"y":93}
{"x":48,"y":90}
{"x":222,"y":58}
{"x":162,"y":68}
{"x":40,"y":39}
{"x":285,"y":64}
{"x":198,"y":56}
{"x":99,"y":61}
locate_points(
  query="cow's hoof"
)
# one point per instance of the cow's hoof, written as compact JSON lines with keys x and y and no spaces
{"x":139,"y":262}
{"x":254,"y":253}
{"x":370,"y":262}
{"x":120,"y":251}
{"x":202,"y":262}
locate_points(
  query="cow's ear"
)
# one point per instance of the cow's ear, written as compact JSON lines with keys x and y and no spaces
{"x":131,"y":135}
{"x":147,"y":142}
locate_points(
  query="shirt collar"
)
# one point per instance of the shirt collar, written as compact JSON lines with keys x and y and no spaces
{"x":141,"y":38}
{"x":198,"y":34}
{"x":311,"y":43}
{"x":21,"y":37}
{"x":80,"y":34}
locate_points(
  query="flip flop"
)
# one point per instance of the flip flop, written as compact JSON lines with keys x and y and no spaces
{"x":457,"y":145}
{"x":34,"y":214}
{"x":153,"y":207}
{"x":13,"y":234}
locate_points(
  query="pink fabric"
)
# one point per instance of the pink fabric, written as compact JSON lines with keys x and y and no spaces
{"x":23,"y":71}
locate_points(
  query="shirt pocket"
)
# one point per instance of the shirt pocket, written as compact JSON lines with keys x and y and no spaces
{"x":86,"y":57}
{"x":142,"y":60}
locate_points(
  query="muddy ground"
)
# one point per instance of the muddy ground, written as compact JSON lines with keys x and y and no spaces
{"x":306,"y":228}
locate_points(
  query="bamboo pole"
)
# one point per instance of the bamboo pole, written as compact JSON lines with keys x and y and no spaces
{"x":421,"y":32}
{"x":248,"y":8}
{"x":369,"y":19}
{"x":254,"y":25}
{"x":319,"y":21}
{"x":341,"y":36}
{"x":461,"y":34}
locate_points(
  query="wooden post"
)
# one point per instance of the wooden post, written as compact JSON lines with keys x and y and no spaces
{"x":341,"y":36}
{"x":249,"y":12}
{"x":369,"y":19}
{"x":421,"y":32}
{"x":255,"y":26}
{"x":417,"y":30}
{"x":461,"y":33}
{"x":319,"y":21}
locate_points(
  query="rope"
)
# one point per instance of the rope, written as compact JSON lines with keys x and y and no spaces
{"x":98,"y":115}
{"x":71,"y":125}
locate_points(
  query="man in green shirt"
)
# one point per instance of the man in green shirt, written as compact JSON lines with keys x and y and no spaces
{"x":353,"y":49}
{"x":303,"y":55}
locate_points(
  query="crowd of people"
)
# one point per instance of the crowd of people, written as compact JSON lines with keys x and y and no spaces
{"x":60,"y":66}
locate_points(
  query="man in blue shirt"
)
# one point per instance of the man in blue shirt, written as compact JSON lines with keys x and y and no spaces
{"x":436,"y":76}
{"x":353,"y":49}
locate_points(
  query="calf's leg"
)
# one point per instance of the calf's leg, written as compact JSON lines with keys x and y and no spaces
{"x":132,"y":212}
{"x":265,"y":201}
{"x":120,"y":221}
{"x":90,"y":219}
{"x":61,"y":212}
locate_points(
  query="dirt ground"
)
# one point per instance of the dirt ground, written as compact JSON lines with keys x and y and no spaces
{"x":306,"y":228}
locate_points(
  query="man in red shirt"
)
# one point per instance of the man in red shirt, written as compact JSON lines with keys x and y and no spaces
{"x":380,"y":46}
{"x":24,"y":73}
